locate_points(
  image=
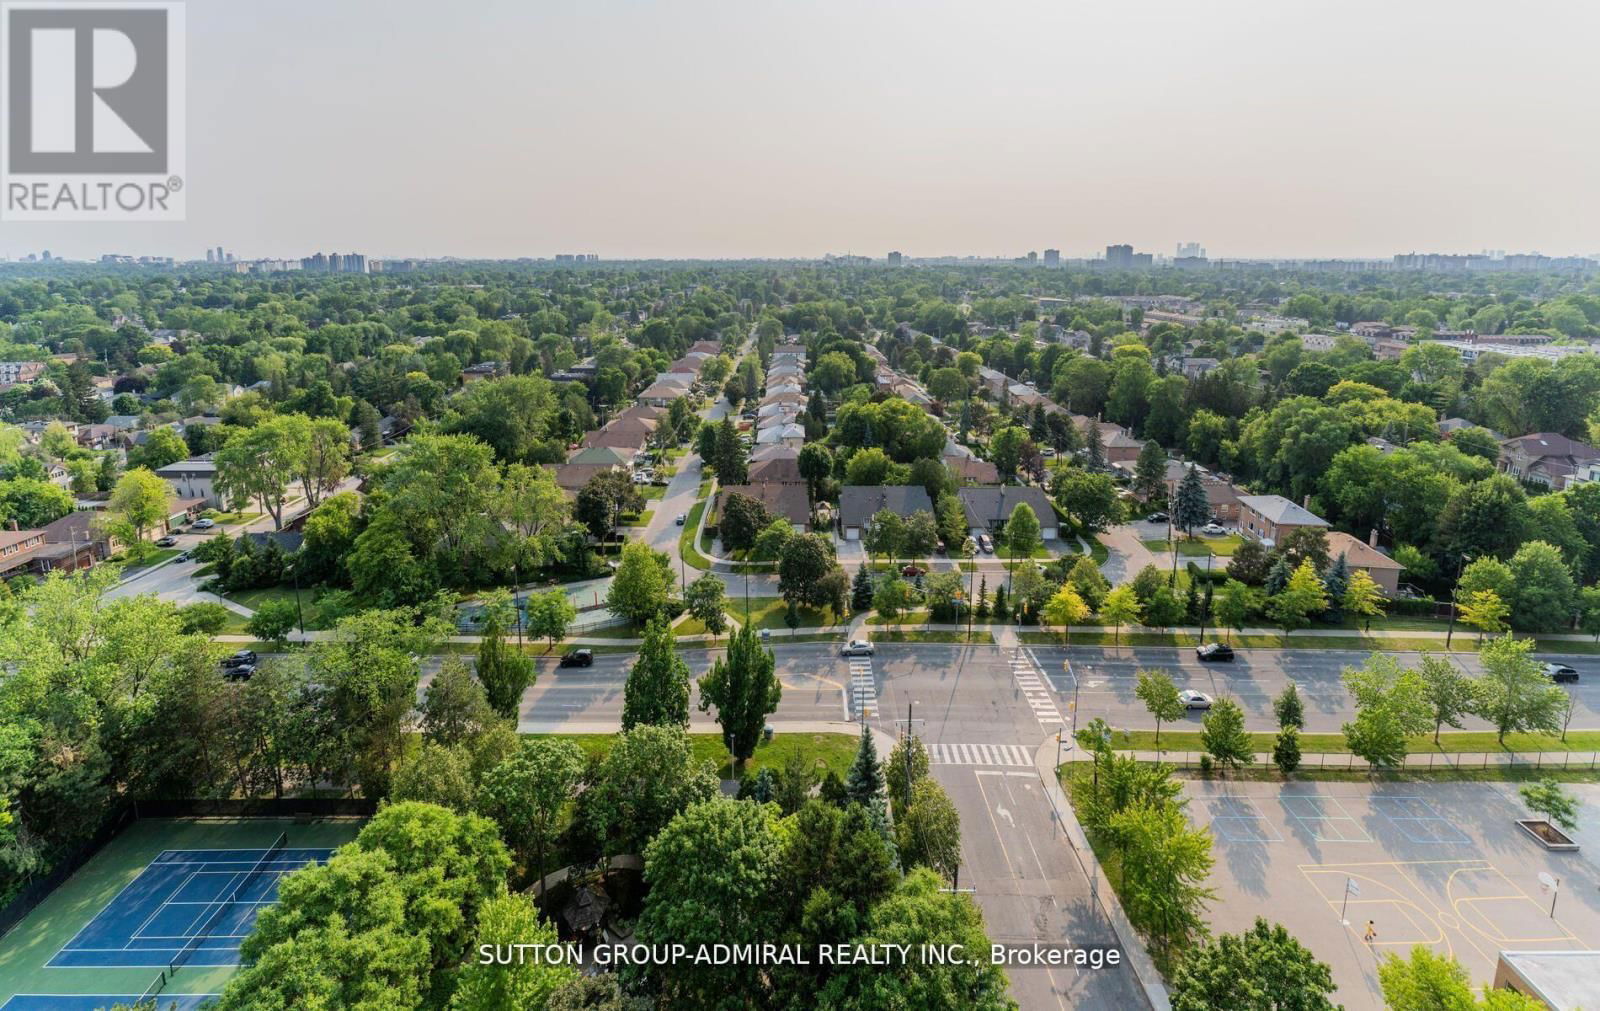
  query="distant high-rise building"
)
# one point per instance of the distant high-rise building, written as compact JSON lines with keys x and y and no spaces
{"x":1052,"y":258}
{"x":1119,"y":256}
{"x":211,"y":255}
{"x":220,"y":257}
{"x":895,"y":259}
{"x":1190,"y":250}
{"x":44,"y":257}
{"x":1033,"y":256}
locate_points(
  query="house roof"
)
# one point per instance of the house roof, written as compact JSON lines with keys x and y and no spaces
{"x":778,"y":433}
{"x":74,"y":526}
{"x":1280,"y":511}
{"x":777,"y":470}
{"x":986,"y":504}
{"x":858,"y":503}
{"x":662,"y":391}
{"x":970,"y":468}
{"x":783,"y":398}
{"x":645,"y":412}
{"x":774,"y":451}
{"x":573,"y":476}
{"x":624,"y":433}
{"x":1541,"y":445}
{"x":1358,"y":553}
{"x":185,"y":468}
{"x":782,"y":416}
{"x":611,"y":456}
{"x":781,"y":499}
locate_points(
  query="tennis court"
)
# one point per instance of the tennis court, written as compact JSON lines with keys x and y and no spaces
{"x":188,"y":907}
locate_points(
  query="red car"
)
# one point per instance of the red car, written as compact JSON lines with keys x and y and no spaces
{"x":912,"y":571}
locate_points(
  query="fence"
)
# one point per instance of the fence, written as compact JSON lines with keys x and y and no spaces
{"x":34,"y":892}
{"x":257,"y":807}
{"x":1430,"y":760}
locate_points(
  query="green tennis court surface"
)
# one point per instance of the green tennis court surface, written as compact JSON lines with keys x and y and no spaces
{"x":213,"y":875}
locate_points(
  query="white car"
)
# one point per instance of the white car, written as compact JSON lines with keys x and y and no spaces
{"x":1213,"y":529}
{"x":642,"y":477}
{"x":204,"y":523}
{"x":856,"y":647}
{"x":1194,"y":700}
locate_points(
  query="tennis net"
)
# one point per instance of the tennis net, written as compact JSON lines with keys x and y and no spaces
{"x":226,"y":903}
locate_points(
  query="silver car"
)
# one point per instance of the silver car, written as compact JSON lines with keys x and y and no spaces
{"x":1194,"y":700}
{"x":856,"y":647}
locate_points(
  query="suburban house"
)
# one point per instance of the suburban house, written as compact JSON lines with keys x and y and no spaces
{"x":784,"y":500}
{"x":989,"y":506}
{"x":660,"y":394}
{"x":640,"y":412}
{"x":859,"y":503}
{"x":782,"y":470}
{"x":1270,"y":518}
{"x":482,"y":370}
{"x":1359,"y":554}
{"x":1120,"y":447}
{"x":1545,"y":458}
{"x":19,"y":550}
{"x":1221,"y":496}
{"x":775,"y":451}
{"x":794,"y":399}
{"x":610,"y":456}
{"x":196,"y":478}
{"x":786,"y":434}
{"x":971,"y":470}
{"x":571,"y":477}
{"x":627,"y":433}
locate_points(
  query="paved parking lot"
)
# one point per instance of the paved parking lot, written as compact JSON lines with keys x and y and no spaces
{"x":1440,"y":865}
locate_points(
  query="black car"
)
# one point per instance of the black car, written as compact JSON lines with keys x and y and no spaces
{"x":1156,"y":518}
{"x":241,"y":658}
{"x":239,"y":672}
{"x":1560,"y":672}
{"x":1214,"y":651}
{"x":578,"y":658}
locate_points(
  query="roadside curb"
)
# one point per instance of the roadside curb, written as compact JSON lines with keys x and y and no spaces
{"x":1144,"y":967}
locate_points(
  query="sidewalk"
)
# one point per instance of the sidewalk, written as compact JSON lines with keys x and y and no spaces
{"x":1428,"y":760}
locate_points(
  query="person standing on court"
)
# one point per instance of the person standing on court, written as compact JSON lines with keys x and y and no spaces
{"x":1372,"y":932}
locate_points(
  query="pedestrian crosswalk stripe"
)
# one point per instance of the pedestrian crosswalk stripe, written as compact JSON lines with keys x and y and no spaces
{"x":863,"y":689}
{"x":981,"y":754}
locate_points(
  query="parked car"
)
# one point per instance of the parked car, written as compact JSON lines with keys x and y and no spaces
{"x":1156,"y":518}
{"x":1560,"y":672}
{"x":856,"y":647}
{"x":243,"y":672}
{"x":986,"y":544}
{"x":183,"y":557}
{"x":1219,"y":651}
{"x":939,"y":548}
{"x":643,"y":477}
{"x":1194,"y":700}
{"x":166,"y":542}
{"x":912,"y":571}
{"x":241,"y":658}
{"x":578,"y":658}
{"x":204,"y":523}
{"x":1213,"y":529}
{"x":682,"y":519}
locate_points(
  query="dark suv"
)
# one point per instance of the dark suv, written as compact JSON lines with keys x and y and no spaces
{"x":578,"y":658}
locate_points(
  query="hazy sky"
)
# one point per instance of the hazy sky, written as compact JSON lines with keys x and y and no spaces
{"x":757,"y":128}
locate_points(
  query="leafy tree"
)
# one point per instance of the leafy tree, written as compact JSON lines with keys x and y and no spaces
{"x":1549,"y":798}
{"x":1589,"y":614}
{"x":706,"y":600}
{"x":928,"y":832}
{"x":816,"y":466}
{"x":1120,"y":607}
{"x":1165,"y":861}
{"x":642,"y":583}
{"x":1160,"y":696}
{"x":1288,"y":709}
{"x":1261,"y":969}
{"x":603,"y":499}
{"x":1430,"y":982}
{"x":1300,"y":598}
{"x":1391,"y":708}
{"x":885,"y":534}
{"x":1086,"y":578}
{"x":1022,"y":534}
{"x":527,"y":793}
{"x":258,"y":463}
{"x":1006,"y":449}
{"x":1165,"y":609}
{"x":920,"y":535}
{"x":657,"y":690}
{"x":1223,"y":736}
{"x":436,"y":774}
{"x":550,"y":614}
{"x":1362,"y":596}
{"x":1149,"y":471}
{"x":892,"y":596}
{"x":139,"y":502}
{"x":1542,"y":588}
{"x":742,"y":519}
{"x":273,"y":620}
{"x":648,"y":776}
{"x":769,"y":542}
{"x":807,"y":560}
{"x":1286,"y":750}
{"x":1513,"y":694}
{"x":1089,"y":498}
{"x":1488,"y":517}
{"x":744,"y":687}
{"x":1485,"y":611}
{"x":1190,"y":507}
{"x":1449,"y":693}
{"x":1249,"y":564}
{"x":711,"y":875}
{"x":454,"y":707}
{"x":203,"y":618}
{"x":325,"y":461}
{"x":527,"y":983}
{"x":1065,"y":608}
{"x":908,"y":765}
{"x":505,"y":671}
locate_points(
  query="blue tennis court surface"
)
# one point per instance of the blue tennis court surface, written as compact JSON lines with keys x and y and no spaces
{"x":199,"y":904}
{"x":95,"y":1001}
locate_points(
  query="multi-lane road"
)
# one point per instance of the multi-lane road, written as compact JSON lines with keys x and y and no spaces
{"x":984,"y":712}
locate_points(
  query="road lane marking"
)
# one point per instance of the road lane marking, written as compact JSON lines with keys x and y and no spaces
{"x":863,"y":688}
{"x":980,"y":754}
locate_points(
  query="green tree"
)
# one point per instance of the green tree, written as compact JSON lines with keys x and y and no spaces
{"x":1450,"y":694}
{"x":258,"y":463}
{"x":1542,"y":588}
{"x":203,"y":618}
{"x":1513,"y":694}
{"x":454,"y":707}
{"x":1484,"y":611}
{"x":140,"y":502}
{"x":1022,"y":535}
{"x":1288,"y":709}
{"x":1391,"y":708}
{"x":550,"y":614}
{"x":273,"y":620}
{"x":1549,"y":798}
{"x":1005,"y":451}
{"x":642,"y":583}
{"x":1430,"y":982}
{"x":928,"y":832}
{"x":807,"y":560}
{"x":528,"y":983}
{"x":884,"y":534}
{"x":505,"y":671}
{"x":527,"y":793}
{"x":1120,"y":607}
{"x":861,"y":590}
{"x":1065,"y":608}
{"x":1301,"y":597}
{"x":1165,"y":862}
{"x":744,"y":687}
{"x":648,"y":776}
{"x":1150,"y":471}
{"x":907,"y":765}
{"x":1223,"y":736}
{"x":1231,"y":606}
{"x":1363,"y":596}
{"x":1261,"y":969}
{"x":1160,"y":696}
{"x":706,"y":600}
{"x":657,"y":690}
{"x":1190,"y":507}
{"x":1286,"y":750}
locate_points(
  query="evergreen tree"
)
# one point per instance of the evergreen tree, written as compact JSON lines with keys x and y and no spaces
{"x":1094,"y":447}
{"x":864,"y":784}
{"x":1149,"y":472}
{"x":505,"y":673}
{"x":861,"y":590}
{"x":981,"y":609}
{"x":1000,"y":612}
{"x":1277,"y":577}
{"x":657,"y":690}
{"x":1288,"y":708}
{"x":1190,"y":507}
{"x":1336,"y":582}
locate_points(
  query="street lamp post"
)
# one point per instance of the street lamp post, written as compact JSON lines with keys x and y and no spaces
{"x":1461,"y":564}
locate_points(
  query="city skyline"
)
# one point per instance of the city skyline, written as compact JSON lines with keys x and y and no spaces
{"x":649,"y":130}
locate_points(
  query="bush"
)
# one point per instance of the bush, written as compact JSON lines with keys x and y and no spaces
{"x":203,"y":618}
{"x":1413,"y":607}
{"x":1206,"y":766}
{"x":1286,"y":752}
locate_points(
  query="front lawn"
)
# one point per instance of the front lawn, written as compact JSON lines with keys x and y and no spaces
{"x":1199,"y":547}
{"x":254,"y":599}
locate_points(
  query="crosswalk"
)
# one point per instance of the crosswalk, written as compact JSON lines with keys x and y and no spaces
{"x":1034,"y":689}
{"x":980,"y":754}
{"x":863,"y":689}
